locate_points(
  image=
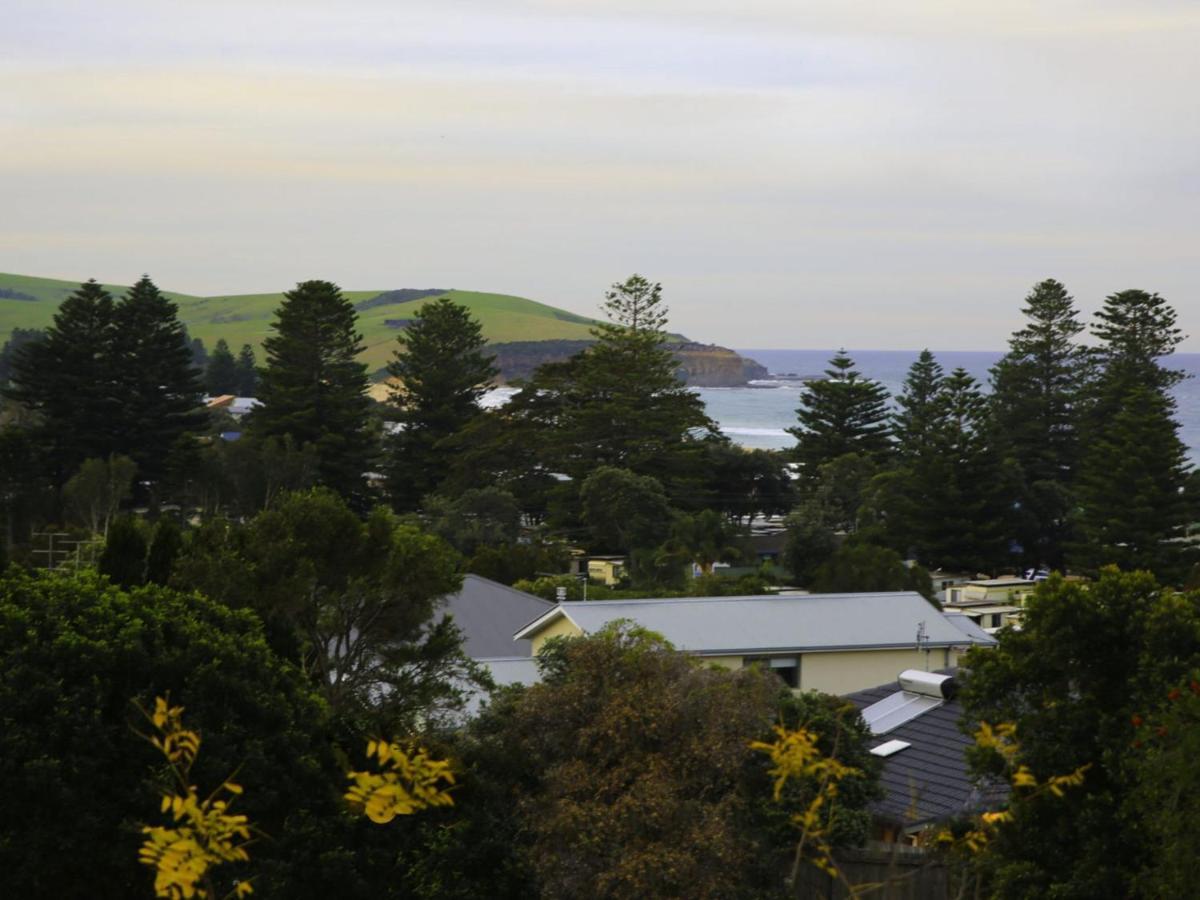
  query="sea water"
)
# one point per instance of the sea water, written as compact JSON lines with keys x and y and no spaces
{"x":758,"y":415}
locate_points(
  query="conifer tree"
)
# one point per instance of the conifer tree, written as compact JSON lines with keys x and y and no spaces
{"x":158,"y":387}
{"x":247,"y":372}
{"x":68,"y":379}
{"x":619,"y":403}
{"x":313,"y":387}
{"x":842,"y":413}
{"x":914,"y":424}
{"x":221,"y":376}
{"x":1131,"y":494}
{"x":1037,"y":394}
{"x":441,"y":371}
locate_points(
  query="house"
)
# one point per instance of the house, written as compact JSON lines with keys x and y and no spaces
{"x":835,"y":643}
{"x":488,"y":612}
{"x":943,"y":580}
{"x":990,"y":592}
{"x":925,"y":778}
{"x":605,"y":569}
{"x":992,"y":603}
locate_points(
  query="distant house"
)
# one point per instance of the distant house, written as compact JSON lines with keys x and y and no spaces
{"x":835,"y":643}
{"x":235,"y":406}
{"x":914,"y":725}
{"x":605,"y":569}
{"x":990,"y":591}
{"x":992,"y":603}
{"x":488,"y":613}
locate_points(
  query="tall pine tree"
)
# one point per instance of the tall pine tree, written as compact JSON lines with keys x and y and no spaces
{"x":68,"y":379}
{"x":842,"y":413}
{"x":158,"y":386}
{"x":221,"y":376}
{"x":314,"y":389}
{"x":1037,"y":392}
{"x":914,"y":425}
{"x":441,"y":371}
{"x":247,"y":372}
{"x":1131,"y":492}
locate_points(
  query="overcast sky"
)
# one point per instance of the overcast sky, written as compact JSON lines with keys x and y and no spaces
{"x":797,"y":174}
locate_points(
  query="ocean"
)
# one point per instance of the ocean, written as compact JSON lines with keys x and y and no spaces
{"x":756,"y":416}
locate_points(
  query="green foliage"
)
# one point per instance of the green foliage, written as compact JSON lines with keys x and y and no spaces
{"x":705,"y":538}
{"x":1131,"y":490}
{"x":165,"y":548}
{"x":21,"y":484}
{"x":859,"y":567}
{"x":948,"y":500}
{"x":124,"y":556}
{"x":1037,"y":391}
{"x":630,"y":773}
{"x":352,"y":602}
{"x":810,"y":541}
{"x":481,"y":517}
{"x":1168,"y":790}
{"x":441,"y":372}
{"x":623,"y":511}
{"x":97,"y":490}
{"x":247,"y":372}
{"x":74,"y":651}
{"x":509,"y":563}
{"x":20,"y":337}
{"x":68,"y":380}
{"x":1087,"y":660}
{"x":314,"y":390}
{"x":158,"y":389}
{"x":840,"y":414}
{"x":221,"y":376}
{"x":618,"y":404}
{"x":743,"y":483}
{"x":1133,"y":475}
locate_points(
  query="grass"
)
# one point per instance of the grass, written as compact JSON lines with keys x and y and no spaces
{"x":246,"y":318}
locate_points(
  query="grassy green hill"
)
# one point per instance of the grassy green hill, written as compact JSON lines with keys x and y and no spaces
{"x":27,"y":302}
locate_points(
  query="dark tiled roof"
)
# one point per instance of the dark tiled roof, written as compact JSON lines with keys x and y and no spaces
{"x":929,"y":781}
{"x":489,"y":613}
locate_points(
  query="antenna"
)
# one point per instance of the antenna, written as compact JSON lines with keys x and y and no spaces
{"x":923,"y":641}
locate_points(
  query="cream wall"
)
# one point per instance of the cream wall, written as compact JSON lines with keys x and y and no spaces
{"x":563,"y":627}
{"x":725,"y":662}
{"x":844,"y":671}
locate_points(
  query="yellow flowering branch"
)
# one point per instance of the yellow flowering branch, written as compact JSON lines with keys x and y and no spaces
{"x":795,"y":756}
{"x":408,"y":783}
{"x":202,"y":833}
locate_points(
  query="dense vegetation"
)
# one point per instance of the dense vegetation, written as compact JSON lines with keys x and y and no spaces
{"x":281,"y":577}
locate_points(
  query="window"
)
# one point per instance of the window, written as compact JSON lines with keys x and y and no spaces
{"x":786,"y":667}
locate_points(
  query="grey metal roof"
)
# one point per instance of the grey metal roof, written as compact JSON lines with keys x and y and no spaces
{"x":488,"y":613}
{"x":927,"y":781}
{"x":968,"y":626}
{"x":757,"y":624}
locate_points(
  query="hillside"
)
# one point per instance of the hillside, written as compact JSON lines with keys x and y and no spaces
{"x":515,"y":322}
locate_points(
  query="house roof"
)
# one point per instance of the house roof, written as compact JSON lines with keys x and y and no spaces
{"x":758,"y":624}
{"x":488,"y":613}
{"x":967,"y":626}
{"x":927,"y":781}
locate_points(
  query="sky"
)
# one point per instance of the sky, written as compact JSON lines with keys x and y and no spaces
{"x":796,"y":174}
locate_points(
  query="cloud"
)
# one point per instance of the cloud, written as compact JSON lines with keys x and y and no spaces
{"x":897,"y":169}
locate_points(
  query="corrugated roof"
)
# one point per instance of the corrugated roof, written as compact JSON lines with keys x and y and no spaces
{"x":488,"y":613}
{"x":757,"y":624}
{"x":968,"y":626}
{"x":927,"y":781}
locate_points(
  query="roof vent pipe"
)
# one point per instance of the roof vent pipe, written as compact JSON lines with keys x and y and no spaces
{"x":929,"y":684}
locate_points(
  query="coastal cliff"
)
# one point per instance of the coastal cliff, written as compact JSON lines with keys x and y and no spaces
{"x":700,"y":365}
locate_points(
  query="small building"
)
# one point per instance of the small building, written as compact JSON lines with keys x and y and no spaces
{"x":605,"y":569}
{"x":835,"y":643}
{"x":914,"y":723}
{"x":990,"y":592}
